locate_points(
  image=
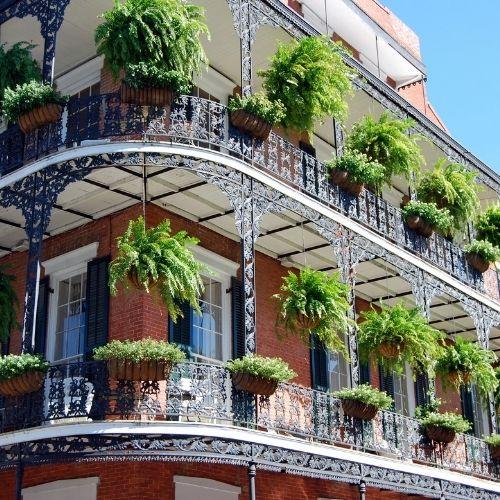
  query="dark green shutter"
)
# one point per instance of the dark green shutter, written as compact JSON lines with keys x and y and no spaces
{"x":364,"y":373}
{"x":238,"y":317}
{"x":42,"y":309}
{"x":466,"y":397}
{"x":97,"y":303}
{"x":422,"y":389}
{"x":319,"y":364}
{"x":181,"y":332}
{"x":387,"y":382}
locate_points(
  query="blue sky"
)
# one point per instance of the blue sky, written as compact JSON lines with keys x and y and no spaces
{"x":460,"y":45}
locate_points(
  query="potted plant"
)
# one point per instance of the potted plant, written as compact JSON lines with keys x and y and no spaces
{"x":443,"y":427}
{"x":144,"y":359}
{"x":363,"y":401}
{"x":259,"y":375}
{"x":397,"y":335}
{"x":8,"y":305}
{"x":353,"y":171}
{"x":493,"y":442}
{"x":488,"y":225}
{"x":451,"y":186}
{"x":17,"y":66}
{"x":465,"y":361}
{"x":312,"y":81}
{"x":388,"y":142}
{"x":480,"y":254}
{"x":154,"y":258}
{"x":255,"y":115}
{"x":156,"y":43}
{"x":311,"y":301}
{"x":425,"y":218}
{"x":33,"y":105}
{"x":21,"y":374}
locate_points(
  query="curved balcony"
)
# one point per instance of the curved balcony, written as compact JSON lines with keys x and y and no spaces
{"x":81,"y":392}
{"x":205,"y":124}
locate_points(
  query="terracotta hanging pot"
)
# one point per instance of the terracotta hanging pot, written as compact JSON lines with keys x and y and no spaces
{"x":306,"y":323}
{"x":357,"y":409}
{"x":39,"y":117}
{"x":440,"y":434}
{"x":341,"y":179}
{"x":253,"y":384}
{"x":390,"y":351}
{"x":477,"y":262}
{"x":23,"y":384}
{"x":162,"y":97}
{"x":250,"y":124}
{"x":133,"y":278}
{"x":455,"y":377}
{"x":121,"y":369}
{"x":416,"y":223}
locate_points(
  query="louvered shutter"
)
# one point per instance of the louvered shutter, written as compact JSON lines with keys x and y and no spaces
{"x":467,"y":405}
{"x":422,"y":389}
{"x":319,"y":364}
{"x":5,"y":347}
{"x":97,"y":303}
{"x":42,"y":308}
{"x":386,"y":382}
{"x":238,"y":317}
{"x":181,"y":332}
{"x":364,"y":373}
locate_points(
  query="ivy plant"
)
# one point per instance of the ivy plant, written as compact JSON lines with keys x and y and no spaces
{"x":320,"y":298}
{"x":28,"y":96}
{"x":8,"y":305}
{"x":140,"y":350}
{"x":468,"y":362}
{"x":451,"y":186}
{"x":389,"y":142}
{"x":14,"y":365}
{"x":156,"y":255}
{"x":366,"y":394}
{"x":360,"y":169}
{"x":312,"y":81}
{"x":267,"y":368}
{"x":448,"y":420}
{"x":161,"y":33}
{"x":483,"y":249}
{"x":17,"y":66}
{"x":488,"y":225}
{"x":438,"y":218}
{"x":417,"y":343}
{"x":258,"y":104}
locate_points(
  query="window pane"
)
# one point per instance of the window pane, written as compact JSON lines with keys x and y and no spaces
{"x":63,"y":292}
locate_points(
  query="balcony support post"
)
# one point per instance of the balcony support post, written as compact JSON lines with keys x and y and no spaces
{"x":362,"y":490}
{"x":19,"y":472}
{"x":252,"y":472}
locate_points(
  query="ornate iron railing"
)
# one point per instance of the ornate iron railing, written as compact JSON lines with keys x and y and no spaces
{"x":204,"y":123}
{"x":195,"y":392}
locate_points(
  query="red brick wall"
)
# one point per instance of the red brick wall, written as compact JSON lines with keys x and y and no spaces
{"x":154,"y":480}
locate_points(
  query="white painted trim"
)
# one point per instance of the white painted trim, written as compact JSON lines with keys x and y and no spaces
{"x":82,"y":77}
{"x":226,"y":160}
{"x":87,"y":484}
{"x":215,"y":262}
{"x":70,"y":259}
{"x":240,"y":434}
{"x":211,"y":484}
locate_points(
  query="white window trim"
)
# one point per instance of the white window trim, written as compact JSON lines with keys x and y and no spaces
{"x":87,"y":483}
{"x":222,"y":270}
{"x":209,"y":484}
{"x":61,"y":267}
{"x":81,"y":77}
{"x":215,"y":84}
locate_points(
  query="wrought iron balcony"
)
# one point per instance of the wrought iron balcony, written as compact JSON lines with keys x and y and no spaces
{"x":81,"y":392}
{"x":202,"y":123}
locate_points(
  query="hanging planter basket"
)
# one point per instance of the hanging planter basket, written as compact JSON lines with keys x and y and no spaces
{"x":161,"y":97}
{"x":26,"y":383}
{"x":121,"y":369}
{"x":390,"y":351}
{"x":455,"y":377}
{"x":341,"y":179}
{"x":306,"y":323}
{"x":253,"y":384}
{"x":440,"y":434}
{"x":133,"y":278}
{"x":357,"y":409}
{"x":494,"y":452}
{"x":477,"y":262}
{"x":416,"y":223}
{"x":250,"y":124}
{"x":39,"y":117}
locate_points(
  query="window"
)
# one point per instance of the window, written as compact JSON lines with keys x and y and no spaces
{"x":338,"y":371}
{"x":401,"y":394}
{"x":67,"y":304}
{"x":401,"y":389}
{"x":199,"y":488}
{"x":473,"y":411}
{"x":76,"y":489}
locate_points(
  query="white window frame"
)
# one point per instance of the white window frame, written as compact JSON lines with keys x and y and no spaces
{"x":410,"y":390}
{"x":215,"y":84}
{"x":218,"y":488}
{"x":222,"y":270}
{"x":59,"y":268}
{"x":77,"y":489}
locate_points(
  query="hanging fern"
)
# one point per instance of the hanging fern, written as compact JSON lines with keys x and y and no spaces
{"x":451,"y":186}
{"x":389,"y":142}
{"x":8,"y":305}
{"x":488,"y":225}
{"x":162,"y":33}
{"x":313,"y":302}
{"x":156,"y":256}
